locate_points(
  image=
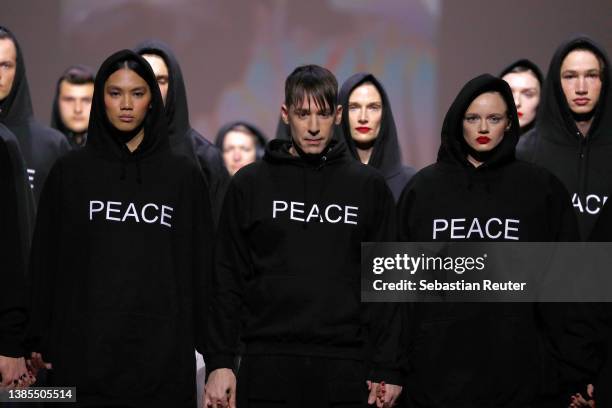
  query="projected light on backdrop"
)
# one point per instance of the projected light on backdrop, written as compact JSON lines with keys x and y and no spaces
{"x":235,"y":55}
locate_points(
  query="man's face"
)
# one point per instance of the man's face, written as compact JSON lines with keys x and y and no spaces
{"x":8,"y":65}
{"x":581,"y":80}
{"x":74,"y":103}
{"x":160,"y":69}
{"x":312,"y":127}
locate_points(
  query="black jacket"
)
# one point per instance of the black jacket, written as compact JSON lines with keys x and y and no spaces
{"x":471,"y":354}
{"x":582,"y":163}
{"x":386,"y":155}
{"x":287,"y":275}
{"x":183,"y":138}
{"x":120,"y":251}
{"x":40,"y":145}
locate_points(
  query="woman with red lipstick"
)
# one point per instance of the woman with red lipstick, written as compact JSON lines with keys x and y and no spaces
{"x":525,"y":80}
{"x":369,"y":129}
{"x":469,"y":354}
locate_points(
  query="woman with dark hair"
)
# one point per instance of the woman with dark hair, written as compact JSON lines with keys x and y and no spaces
{"x":119,"y":254}
{"x":525,"y":80}
{"x":469,"y":354}
{"x":241,"y":143}
{"x":369,"y":129}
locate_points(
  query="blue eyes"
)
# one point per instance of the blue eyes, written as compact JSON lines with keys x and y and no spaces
{"x":491,"y":119}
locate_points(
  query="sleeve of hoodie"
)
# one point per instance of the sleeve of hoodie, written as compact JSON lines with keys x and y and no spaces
{"x":227,"y":282}
{"x":384,"y":320}
{"x":13,"y":299}
{"x":44,"y":259}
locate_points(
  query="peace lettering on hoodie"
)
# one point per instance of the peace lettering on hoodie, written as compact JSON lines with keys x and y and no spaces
{"x":300,"y":212}
{"x":117,"y":211}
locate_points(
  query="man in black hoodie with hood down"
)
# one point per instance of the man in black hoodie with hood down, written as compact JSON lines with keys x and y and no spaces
{"x":573,"y":134}
{"x":369,"y":129}
{"x":40,"y":145}
{"x":183,"y":138}
{"x":286,"y":280}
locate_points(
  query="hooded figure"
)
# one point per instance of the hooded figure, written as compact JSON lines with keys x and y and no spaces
{"x":386,"y":154}
{"x":76,"y":76}
{"x":16,"y":222}
{"x":41,"y":146}
{"x":260,"y":139}
{"x":183,"y":138}
{"x":581,"y":162}
{"x":525,"y":66}
{"x":469,"y":354}
{"x":120,"y":250}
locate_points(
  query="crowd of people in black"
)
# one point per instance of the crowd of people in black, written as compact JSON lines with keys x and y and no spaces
{"x":128,"y":240}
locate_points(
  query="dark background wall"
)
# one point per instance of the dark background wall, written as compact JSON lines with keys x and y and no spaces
{"x":236,"y":54}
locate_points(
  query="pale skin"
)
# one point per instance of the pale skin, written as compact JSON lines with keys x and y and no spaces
{"x":238,"y":150}
{"x":74,"y":102}
{"x":365,"y":117}
{"x":160,"y":69}
{"x":485,"y":118}
{"x":312,"y":130}
{"x":526,"y":93}
{"x":581,"y":84}
{"x":8,"y":66}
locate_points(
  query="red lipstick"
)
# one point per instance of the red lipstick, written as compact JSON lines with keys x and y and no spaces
{"x":483,"y":139}
{"x":520,"y":114}
{"x":363,"y":129}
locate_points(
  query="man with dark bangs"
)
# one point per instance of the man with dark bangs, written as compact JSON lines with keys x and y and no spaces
{"x":287,"y":277}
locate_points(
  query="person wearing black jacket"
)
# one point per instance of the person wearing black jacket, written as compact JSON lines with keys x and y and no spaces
{"x":120,"y":251}
{"x":525,"y":79}
{"x":369,"y":129}
{"x":573,"y":134}
{"x":183,"y":138}
{"x":470,"y":354}
{"x":241,"y":143}
{"x":41,"y":146}
{"x":287,"y":276}
{"x":16,"y":219}
{"x":72,"y":104}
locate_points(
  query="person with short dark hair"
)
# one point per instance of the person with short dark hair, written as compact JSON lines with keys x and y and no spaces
{"x":241,"y":143}
{"x":72,"y":104}
{"x":120,"y":252}
{"x":286,"y":280}
{"x":525,"y":79}
{"x":41,"y":146}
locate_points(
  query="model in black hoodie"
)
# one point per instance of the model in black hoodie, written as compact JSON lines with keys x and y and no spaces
{"x":259,"y":145}
{"x":581,"y":161}
{"x":470,"y":354}
{"x":183,"y":138}
{"x":525,"y":79}
{"x":72,"y":101}
{"x":287,"y":275}
{"x":16,"y":219}
{"x":41,"y":146}
{"x":383,"y":147}
{"x":120,"y":250}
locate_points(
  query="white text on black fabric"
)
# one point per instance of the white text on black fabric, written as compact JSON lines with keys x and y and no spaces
{"x":331,"y":213}
{"x":117,"y":211}
{"x":591,"y":204}
{"x":463,"y":228}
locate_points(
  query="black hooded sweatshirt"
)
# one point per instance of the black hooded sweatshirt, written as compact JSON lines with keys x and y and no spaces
{"x":470,"y":354}
{"x":183,"y":138}
{"x":582,"y":163}
{"x":525,"y":63}
{"x":40,"y":145}
{"x":287,"y":275}
{"x":119,"y":256}
{"x":386,"y":155}
{"x":76,"y":140}
{"x":260,"y":143}
{"x":16,"y":221}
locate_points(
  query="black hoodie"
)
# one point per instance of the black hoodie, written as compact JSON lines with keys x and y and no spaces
{"x":183,"y":138}
{"x":260,"y":144}
{"x":120,"y":251}
{"x":41,"y":146}
{"x":582,"y":163}
{"x":472,"y":354}
{"x":525,"y":63}
{"x":386,"y":155}
{"x":287,"y":275}
{"x":16,"y":221}
{"x":58,"y":123}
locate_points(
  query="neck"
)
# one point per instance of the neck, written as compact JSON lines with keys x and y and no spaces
{"x":364,"y":154}
{"x":293,"y":152}
{"x":584,"y":126}
{"x":135,"y":141}
{"x":473,"y":161}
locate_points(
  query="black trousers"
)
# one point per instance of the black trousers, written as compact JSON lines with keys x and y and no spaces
{"x":297,"y":381}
